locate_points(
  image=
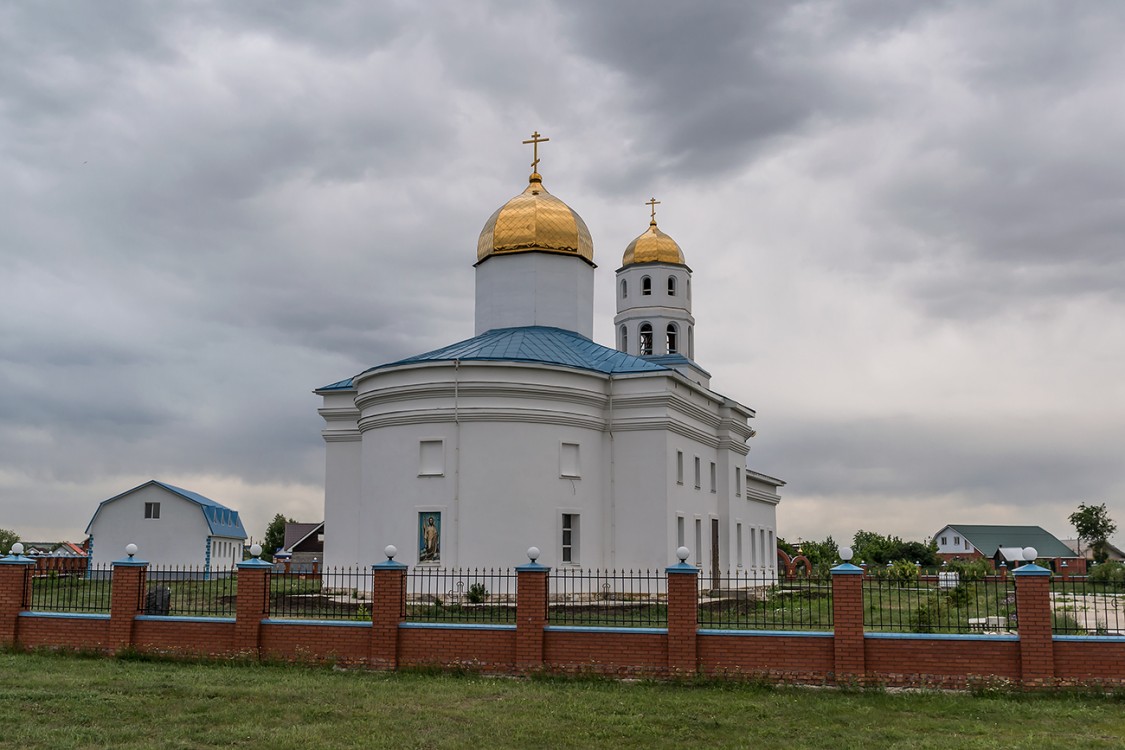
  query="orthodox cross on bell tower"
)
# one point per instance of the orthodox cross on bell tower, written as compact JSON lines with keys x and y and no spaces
{"x":652,"y":203}
{"x":535,"y":141}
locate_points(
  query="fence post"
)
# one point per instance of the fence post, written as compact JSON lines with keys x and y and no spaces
{"x":251,"y":604}
{"x":1035,"y":625}
{"x":129,"y":578}
{"x":531,"y":612}
{"x":847,"y":620}
{"x":15,"y":593}
{"x":683,"y":615}
{"x":388,"y":602}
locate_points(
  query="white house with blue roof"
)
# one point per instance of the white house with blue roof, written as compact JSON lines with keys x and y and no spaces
{"x":169,"y":525}
{"x":531,"y":434}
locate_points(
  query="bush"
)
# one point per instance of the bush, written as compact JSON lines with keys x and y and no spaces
{"x":958,"y":596}
{"x":1110,"y":573}
{"x":926,"y":617}
{"x":902,"y":571}
{"x":477,"y":593}
{"x":970,"y":570}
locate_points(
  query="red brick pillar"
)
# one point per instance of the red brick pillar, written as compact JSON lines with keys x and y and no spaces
{"x":683,"y":617}
{"x":388,"y":605}
{"x":251,"y":605}
{"x":126,"y":589}
{"x":1033,"y":615}
{"x":531,"y":614}
{"x":847,"y":622}
{"x":15,"y":594}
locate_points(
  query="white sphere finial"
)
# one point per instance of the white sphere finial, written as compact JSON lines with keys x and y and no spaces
{"x":682,"y":553}
{"x":130,"y":550}
{"x":533,"y":553}
{"x":846,"y":554}
{"x":1030,"y":553}
{"x":17,"y":549}
{"x":255,"y":550}
{"x":390,"y":551}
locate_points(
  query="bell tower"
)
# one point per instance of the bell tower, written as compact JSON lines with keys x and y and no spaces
{"x":654,"y":296}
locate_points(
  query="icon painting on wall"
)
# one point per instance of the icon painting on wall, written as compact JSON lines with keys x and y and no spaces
{"x":429,"y":537}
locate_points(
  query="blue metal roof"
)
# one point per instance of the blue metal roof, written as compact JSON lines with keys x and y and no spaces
{"x":220,"y":519}
{"x":532,"y":344}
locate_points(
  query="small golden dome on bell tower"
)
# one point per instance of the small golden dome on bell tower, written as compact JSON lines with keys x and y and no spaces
{"x":653,"y":246}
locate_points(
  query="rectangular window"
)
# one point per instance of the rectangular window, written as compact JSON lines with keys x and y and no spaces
{"x":698,"y":541}
{"x":431,"y":458}
{"x":943,"y":542}
{"x":763,"y":558}
{"x":753,"y":549}
{"x":680,"y":540}
{"x":680,"y":468}
{"x":967,"y":545}
{"x":568,"y":460}
{"x":569,"y":538}
{"x":772,"y":551}
{"x":738,"y":543}
{"x":956,"y":541}
{"x":152,"y":510}
{"x":712,"y":476}
{"x":697,"y":472}
{"x":738,"y":482}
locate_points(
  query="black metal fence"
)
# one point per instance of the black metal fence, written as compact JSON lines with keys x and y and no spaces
{"x":752,"y":601}
{"x":608,"y":598}
{"x":944,"y":603}
{"x":461,"y":595}
{"x":189,"y":591}
{"x":1083,"y":607}
{"x":329,"y":594}
{"x":83,"y":591}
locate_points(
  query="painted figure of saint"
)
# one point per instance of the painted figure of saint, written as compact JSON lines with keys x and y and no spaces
{"x":430,"y":547}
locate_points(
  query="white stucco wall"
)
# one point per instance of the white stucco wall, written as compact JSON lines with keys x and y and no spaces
{"x":534,"y":288}
{"x":501,"y":427}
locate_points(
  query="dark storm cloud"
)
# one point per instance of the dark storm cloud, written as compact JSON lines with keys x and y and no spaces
{"x":210,"y":209}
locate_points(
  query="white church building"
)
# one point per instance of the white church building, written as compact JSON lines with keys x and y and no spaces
{"x":531,"y":434}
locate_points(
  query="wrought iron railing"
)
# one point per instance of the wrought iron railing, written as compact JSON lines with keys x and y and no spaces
{"x":748,"y":600}
{"x":328,"y":594}
{"x":945,"y":603}
{"x":81,"y":591}
{"x":1081,"y":606}
{"x":460,"y":595}
{"x":189,"y":591}
{"x":608,"y":598}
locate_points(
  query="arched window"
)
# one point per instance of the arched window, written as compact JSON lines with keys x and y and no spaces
{"x":670,"y":338}
{"x":671,"y":286}
{"x":646,"y":286}
{"x":624,"y":288}
{"x":646,"y":339}
{"x":688,"y":282}
{"x":691,"y":342}
{"x":624,"y":339}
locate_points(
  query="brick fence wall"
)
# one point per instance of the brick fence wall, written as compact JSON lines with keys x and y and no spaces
{"x":845,"y":655}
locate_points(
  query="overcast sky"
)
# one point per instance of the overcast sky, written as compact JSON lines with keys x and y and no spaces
{"x":905,"y":221}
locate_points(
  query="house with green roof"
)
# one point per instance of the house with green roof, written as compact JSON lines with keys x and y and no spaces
{"x":1005,"y":544}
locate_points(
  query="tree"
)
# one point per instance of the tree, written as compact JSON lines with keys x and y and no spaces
{"x":1095,"y":527}
{"x":275,"y":534}
{"x":7,"y":539}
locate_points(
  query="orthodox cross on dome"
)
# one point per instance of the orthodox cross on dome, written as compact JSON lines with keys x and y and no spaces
{"x":653,"y":203}
{"x":535,"y":141}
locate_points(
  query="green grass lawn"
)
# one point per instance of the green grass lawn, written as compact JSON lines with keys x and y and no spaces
{"x":52,"y":701}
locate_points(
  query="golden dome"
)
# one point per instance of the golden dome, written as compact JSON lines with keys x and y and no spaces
{"x":535,"y":220}
{"x":653,"y":247}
